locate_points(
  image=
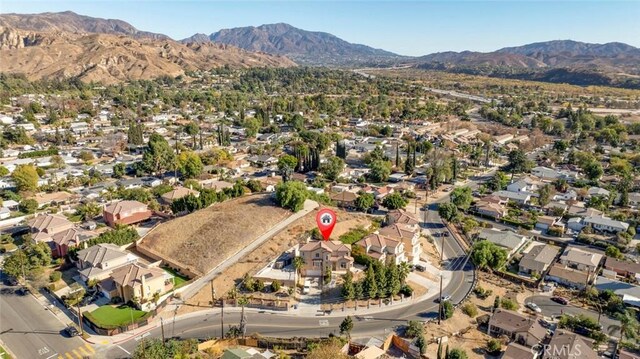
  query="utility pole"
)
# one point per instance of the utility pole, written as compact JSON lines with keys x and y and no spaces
{"x":222,"y":319}
{"x":162,"y":329}
{"x":80,"y":318}
{"x":440,"y":302}
{"x":213,"y":294}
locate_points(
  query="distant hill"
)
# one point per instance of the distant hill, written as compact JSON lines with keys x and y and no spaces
{"x":308,"y":47}
{"x":108,"y":50}
{"x":69,"y":21}
{"x":611,"y":64}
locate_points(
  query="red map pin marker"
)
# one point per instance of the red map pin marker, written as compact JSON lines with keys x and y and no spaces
{"x":326,"y":220}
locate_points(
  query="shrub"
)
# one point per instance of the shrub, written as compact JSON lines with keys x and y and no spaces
{"x":494,"y":346}
{"x":482,"y":293}
{"x":509,"y":304}
{"x":275,"y":286}
{"x":470,"y":309}
{"x":55,"y":276}
{"x":406,"y":290}
{"x":258,"y":285}
{"x":447,"y":310}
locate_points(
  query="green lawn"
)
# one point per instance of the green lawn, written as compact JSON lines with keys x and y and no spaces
{"x":4,"y":355}
{"x":110,"y":317}
{"x":178,"y":279}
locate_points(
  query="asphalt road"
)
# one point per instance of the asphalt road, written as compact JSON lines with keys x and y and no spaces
{"x":30,"y":331}
{"x":550,"y":308}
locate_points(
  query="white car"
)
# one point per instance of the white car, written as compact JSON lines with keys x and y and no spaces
{"x":307,"y":287}
{"x":534,"y":307}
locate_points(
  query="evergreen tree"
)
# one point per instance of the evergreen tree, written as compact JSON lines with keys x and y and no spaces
{"x":348,"y":288}
{"x":393,"y":279}
{"x":370,"y":285}
{"x":381,"y":279}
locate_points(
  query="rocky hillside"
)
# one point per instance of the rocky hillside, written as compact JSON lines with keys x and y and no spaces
{"x":309,"y":47}
{"x":108,"y":51}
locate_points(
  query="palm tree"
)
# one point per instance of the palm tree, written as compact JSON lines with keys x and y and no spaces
{"x":298,"y":262}
{"x":155,"y":298}
{"x":628,"y":326}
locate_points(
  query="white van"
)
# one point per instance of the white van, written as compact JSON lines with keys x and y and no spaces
{"x":307,"y":286}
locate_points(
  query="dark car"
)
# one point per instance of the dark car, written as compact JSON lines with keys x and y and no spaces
{"x":23,"y":291}
{"x":71,"y":331}
{"x":420,"y":268}
{"x":10,"y":281}
{"x":560,"y":300}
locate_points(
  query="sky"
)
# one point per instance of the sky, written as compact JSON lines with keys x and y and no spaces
{"x":410,"y":28}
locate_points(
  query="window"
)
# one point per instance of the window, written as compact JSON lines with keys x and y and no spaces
{"x":317,"y":255}
{"x":343,"y":265}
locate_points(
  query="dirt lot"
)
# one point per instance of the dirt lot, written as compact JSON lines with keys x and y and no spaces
{"x":268,"y":251}
{"x":462,"y":330}
{"x":202,"y":239}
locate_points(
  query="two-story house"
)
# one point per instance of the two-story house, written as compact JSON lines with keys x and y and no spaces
{"x":380,"y":247}
{"x":319,"y":255}
{"x":409,"y":235}
{"x":580,"y":259}
{"x":135,"y":280}
{"x":44,"y":226}
{"x":125,"y":212}
{"x":97,"y":262}
{"x":70,"y":238}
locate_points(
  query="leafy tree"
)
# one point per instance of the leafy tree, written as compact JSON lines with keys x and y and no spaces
{"x":25,"y":177}
{"x":394,"y":201}
{"x":486,"y":254}
{"x":158,"y":155}
{"x":28,"y":206}
{"x":447,"y":310}
{"x":89,"y":210}
{"x":190,"y":164}
{"x":329,"y":349}
{"x":593,"y":170}
{"x":286,"y":166}
{"x":499,"y":181}
{"x":332,"y":168}
{"x":628,"y":327}
{"x":518,"y":161}
{"x":421,"y":343}
{"x":457,"y":354}
{"x":3,"y":171}
{"x":614,"y":252}
{"x":291,"y":195}
{"x":251,"y":127}
{"x":135,"y":134}
{"x":119,"y":170}
{"x":192,"y":129}
{"x":448,"y":211}
{"x":86,"y":156}
{"x":346,"y":326}
{"x":414,"y":329}
{"x":364,"y":202}
{"x":462,"y":197}
{"x":379,"y":171}
{"x":509,"y":304}
{"x":494,"y":345}
{"x":544,"y":194}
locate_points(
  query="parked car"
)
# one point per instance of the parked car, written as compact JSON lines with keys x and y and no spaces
{"x":534,"y":307}
{"x":23,"y":291}
{"x":71,"y":331}
{"x":307,"y":287}
{"x":445,"y":298}
{"x":10,"y":281}
{"x":420,"y":268}
{"x":544,"y":323}
{"x":560,"y":300}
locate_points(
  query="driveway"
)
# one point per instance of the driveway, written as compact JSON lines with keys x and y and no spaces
{"x":551,"y":308}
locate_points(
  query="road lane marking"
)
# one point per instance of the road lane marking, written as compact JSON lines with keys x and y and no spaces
{"x":90,"y":348}
{"x":52,"y":356}
{"x":43,"y":351}
{"x":83,"y":351}
{"x":124,"y":350}
{"x":324,"y":323}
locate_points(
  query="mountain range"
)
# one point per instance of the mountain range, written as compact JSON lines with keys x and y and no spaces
{"x":94,"y":49}
{"x":307,"y":47}
{"x":56,"y":45}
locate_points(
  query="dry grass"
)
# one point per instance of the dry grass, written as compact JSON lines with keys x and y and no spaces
{"x":203,"y":239}
{"x":267,"y":252}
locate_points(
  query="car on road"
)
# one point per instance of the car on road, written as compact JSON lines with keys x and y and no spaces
{"x":534,"y":307}
{"x":71,"y":331}
{"x":23,"y":291}
{"x":445,"y":298}
{"x":560,"y":300}
{"x":10,"y":281}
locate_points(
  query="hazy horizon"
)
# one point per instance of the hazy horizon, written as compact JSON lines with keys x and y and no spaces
{"x":411,"y":28}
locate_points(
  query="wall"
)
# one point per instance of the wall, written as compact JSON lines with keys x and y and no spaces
{"x":181,"y":267}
